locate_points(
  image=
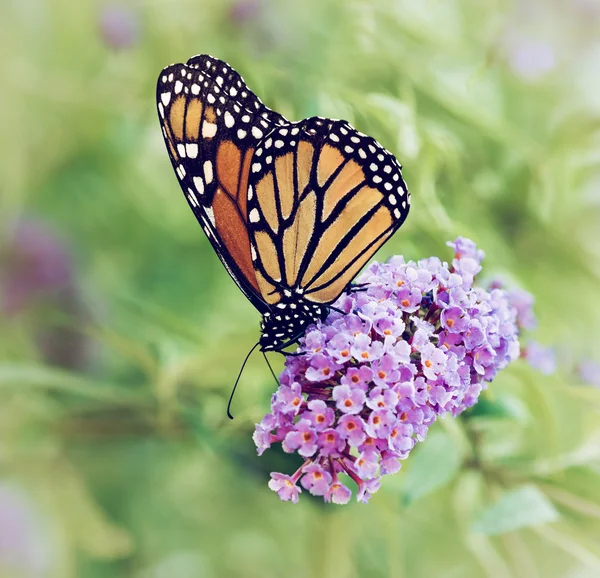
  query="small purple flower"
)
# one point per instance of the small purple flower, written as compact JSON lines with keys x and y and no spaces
{"x":289,"y":399}
{"x":367,"y":464}
{"x":464,"y":247}
{"x":339,"y":347}
{"x":348,"y":400}
{"x":358,"y":377}
{"x":409,"y":298}
{"x":385,"y":370}
{"x":331,"y":442}
{"x":382,"y":398}
{"x":483,"y":357}
{"x":321,"y":368}
{"x":367,"y":488}
{"x":320,"y":414}
{"x":338,"y":493}
{"x":419,"y":342}
{"x":433,"y":361}
{"x":454,"y":320}
{"x":285,"y":487}
{"x":389,"y":464}
{"x":380,"y":423}
{"x":316,"y":480}
{"x":352,"y":428}
{"x":303,"y":439}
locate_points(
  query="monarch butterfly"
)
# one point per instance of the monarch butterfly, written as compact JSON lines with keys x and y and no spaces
{"x":293,"y":209}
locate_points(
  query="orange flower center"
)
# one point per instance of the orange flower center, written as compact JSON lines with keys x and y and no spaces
{"x":330,"y":437}
{"x":428,"y":363}
{"x":296,"y":401}
{"x":307,"y":436}
{"x":365,"y":355}
{"x":450,"y":322}
{"x":403,"y":416}
{"x":355,"y":378}
{"x":399,"y":283}
{"x":376,"y":420}
{"x":405,"y":302}
{"x":320,"y":418}
{"x":382,"y":374}
{"x":387,"y":331}
{"x":326,"y":371}
{"x":348,"y":403}
{"x":317,"y":475}
{"x":344,"y":353}
{"x":351,"y":425}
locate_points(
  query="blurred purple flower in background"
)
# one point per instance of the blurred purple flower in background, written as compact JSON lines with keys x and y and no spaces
{"x":530,"y":58}
{"x":244,"y":11}
{"x":23,"y":551}
{"x":541,"y":358}
{"x":36,"y":265}
{"x":37,"y":280}
{"x":589,"y":372}
{"x":419,"y":342}
{"x":118,"y":26}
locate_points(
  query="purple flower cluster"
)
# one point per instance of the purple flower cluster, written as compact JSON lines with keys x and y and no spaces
{"x":415,"y":342}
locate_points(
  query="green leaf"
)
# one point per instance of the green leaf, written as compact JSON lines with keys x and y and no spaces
{"x":520,"y":508}
{"x":435,"y":463}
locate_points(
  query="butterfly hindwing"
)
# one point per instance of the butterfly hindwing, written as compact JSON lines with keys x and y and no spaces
{"x":212,"y":124}
{"x":322,"y":199}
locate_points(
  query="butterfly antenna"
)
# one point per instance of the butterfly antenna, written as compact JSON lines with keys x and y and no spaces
{"x":237,"y":381}
{"x":272,"y":372}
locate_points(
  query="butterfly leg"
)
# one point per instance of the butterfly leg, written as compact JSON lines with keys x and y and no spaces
{"x":356,"y":287}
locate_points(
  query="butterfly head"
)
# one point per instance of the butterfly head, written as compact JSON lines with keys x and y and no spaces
{"x":287,"y":321}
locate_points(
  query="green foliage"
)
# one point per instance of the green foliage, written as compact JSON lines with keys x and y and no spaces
{"x":118,"y":438}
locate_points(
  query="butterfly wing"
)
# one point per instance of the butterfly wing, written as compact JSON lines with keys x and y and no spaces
{"x":322,"y":199}
{"x":212,"y":124}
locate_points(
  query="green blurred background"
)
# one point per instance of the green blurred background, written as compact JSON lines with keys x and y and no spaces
{"x":121,"y":333}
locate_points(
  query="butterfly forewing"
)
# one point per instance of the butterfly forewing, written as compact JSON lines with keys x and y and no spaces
{"x":322,"y":199}
{"x":212,"y":124}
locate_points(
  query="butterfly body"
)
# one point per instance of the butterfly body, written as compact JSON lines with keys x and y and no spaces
{"x":293,"y":209}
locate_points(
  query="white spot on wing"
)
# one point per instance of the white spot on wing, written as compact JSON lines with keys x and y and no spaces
{"x":191,"y":149}
{"x":229,"y":120}
{"x":208,"y":172}
{"x":178,"y":87}
{"x":166,"y":98}
{"x":181,"y":150}
{"x":199,"y":184}
{"x":195,"y":89}
{"x":209,"y":129}
{"x":256,"y":132}
{"x":254,"y":216}
{"x":211,"y":215}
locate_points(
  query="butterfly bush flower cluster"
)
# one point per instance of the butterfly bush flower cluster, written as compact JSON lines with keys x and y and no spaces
{"x":416,"y":340}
